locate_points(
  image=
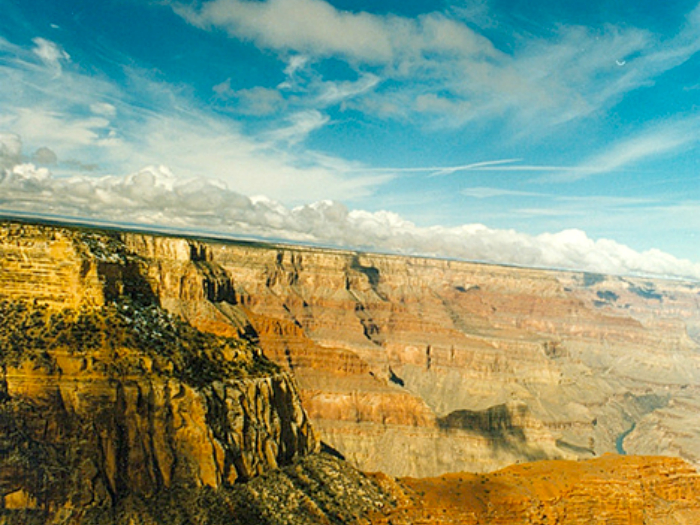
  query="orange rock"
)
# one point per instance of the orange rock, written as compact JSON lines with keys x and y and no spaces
{"x":621,"y":490}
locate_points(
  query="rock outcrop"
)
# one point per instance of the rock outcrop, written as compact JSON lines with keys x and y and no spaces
{"x":105,"y":397}
{"x":610,"y":489}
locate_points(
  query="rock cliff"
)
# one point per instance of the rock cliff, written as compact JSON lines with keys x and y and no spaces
{"x":386,"y":349}
{"x":105,"y":397}
{"x":134,"y":389}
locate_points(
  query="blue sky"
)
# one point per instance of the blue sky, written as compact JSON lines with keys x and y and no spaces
{"x":537,"y":133}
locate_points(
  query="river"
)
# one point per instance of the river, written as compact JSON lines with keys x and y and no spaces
{"x":620,"y":441}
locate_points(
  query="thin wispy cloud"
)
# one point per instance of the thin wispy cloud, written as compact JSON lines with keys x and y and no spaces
{"x":50,"y":53}
{"x":450,"y":71}
{"x":504,"y":165}
{"x":658,"y":141}
{"x":482,"y":192}
{"x":299,"y":127}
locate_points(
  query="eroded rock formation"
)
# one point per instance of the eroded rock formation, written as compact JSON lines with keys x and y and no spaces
{"x":390,"y":351}
{"x":114,"y":409}
{"x":105,"y":397}
{"x":386,"y":347}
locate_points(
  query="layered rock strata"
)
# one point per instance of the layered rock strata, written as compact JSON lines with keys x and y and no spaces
{"x":386,"y":348}
{"x":105,"y":398}
{"x":419,"y":366}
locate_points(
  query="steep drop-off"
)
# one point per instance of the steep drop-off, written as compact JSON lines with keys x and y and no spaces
{"x":388,"y":348}
{"x":115,"y":409}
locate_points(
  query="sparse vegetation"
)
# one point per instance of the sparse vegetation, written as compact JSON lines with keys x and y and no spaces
{"x":31,"y":332}
{"x":607,"y":295}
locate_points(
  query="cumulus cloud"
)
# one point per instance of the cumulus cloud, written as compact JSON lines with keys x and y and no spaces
{"x":154,"y":196}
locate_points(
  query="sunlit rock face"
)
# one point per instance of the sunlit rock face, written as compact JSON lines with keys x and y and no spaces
{"x":390,"y":352}
{"x":609,"y":489}
{"x":417,"y":367}
{"x":105,"y":398}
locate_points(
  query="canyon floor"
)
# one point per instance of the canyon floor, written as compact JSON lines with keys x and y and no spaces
{"x":144,"y":372}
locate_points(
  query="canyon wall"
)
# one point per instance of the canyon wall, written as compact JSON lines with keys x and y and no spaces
{"x":115,"y":409}
{"x":416,"y":366}
{"x":107,"y":398}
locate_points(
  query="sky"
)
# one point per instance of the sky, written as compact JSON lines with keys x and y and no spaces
{"x":534,"y":133}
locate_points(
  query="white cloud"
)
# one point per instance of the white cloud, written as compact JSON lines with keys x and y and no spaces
{"x":50,"y":53}
{"x":334,"y":92}
{"x":481,"y":192}
{"x":103,"y":109}
{"x":259,"y":101}
{"x":59,"y":129}
{"x":447,"y":71}
{"x":314,"y":28}
{"x":311,"y":26}
{"x":658,"y":140}
{"x":296,"y":62}
{"x":300,"y":126}
{"x":256,"y":101}
{"x":224,"y":89}
{"x":91,"y":124}
{"x":154,"y":196}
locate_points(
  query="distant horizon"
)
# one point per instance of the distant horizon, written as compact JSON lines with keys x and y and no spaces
{"x":519,"y":133}
{"x":272,"y":242}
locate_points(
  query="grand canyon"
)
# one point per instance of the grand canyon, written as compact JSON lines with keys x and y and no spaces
{"x":153,"y":378}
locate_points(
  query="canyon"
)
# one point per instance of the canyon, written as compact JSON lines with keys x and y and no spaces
{"x":414,"y":367}
{"x":417,"y":367}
